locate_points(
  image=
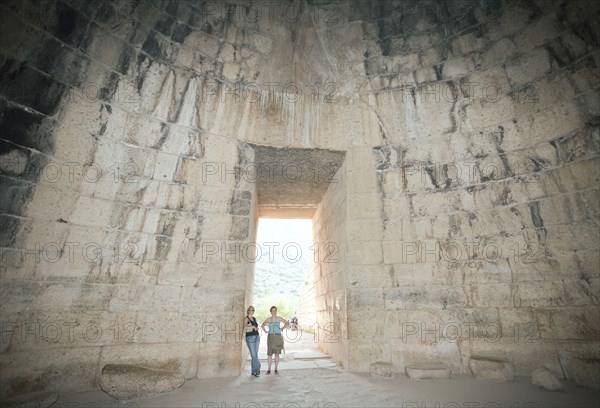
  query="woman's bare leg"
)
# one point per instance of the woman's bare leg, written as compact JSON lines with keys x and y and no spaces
{"x":276,"y":361}
{"x":270,"y":359}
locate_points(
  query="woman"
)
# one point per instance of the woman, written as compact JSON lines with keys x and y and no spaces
{"x":274,"y":339}
{"x":252,"y":339}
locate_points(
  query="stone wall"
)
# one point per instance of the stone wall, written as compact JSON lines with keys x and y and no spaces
{"x":468,"y":198}
{"x":307,"y":307}
{"x":331,"y":263}
{"x":489,"y":198}
{"x":122,"y":218}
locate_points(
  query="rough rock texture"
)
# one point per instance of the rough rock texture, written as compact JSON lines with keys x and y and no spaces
{"x":462,"y":219}
{"x":295,"y":178}
{"x":544,"y":378}
{"x":428,"y":371}
{"x":492,"y":370}
{"x":124,"y":381}
{"x":380,"y":369}
{"x":584,"y":371}
{"x":32,"y":400}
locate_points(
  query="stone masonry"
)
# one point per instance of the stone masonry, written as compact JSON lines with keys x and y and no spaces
{"x":458,"y":142}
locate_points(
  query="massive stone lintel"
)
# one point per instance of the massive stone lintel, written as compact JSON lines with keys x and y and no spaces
{"x":290,"y":177}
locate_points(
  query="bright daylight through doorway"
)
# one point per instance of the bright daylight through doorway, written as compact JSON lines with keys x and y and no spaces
{"x":283,"y":265}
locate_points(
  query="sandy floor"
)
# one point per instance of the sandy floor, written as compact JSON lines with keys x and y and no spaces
{"x":309,"y":379}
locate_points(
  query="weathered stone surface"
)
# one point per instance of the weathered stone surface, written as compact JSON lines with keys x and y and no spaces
{"x":544,"y":378}
{"x":428,"y":370}
{"x":383,"y":370}
{"x":492,"y":370}
{"x":448,"y":157}
{"x":292,"y":177}
{"x":31,"y":400}
{"x":523,"y":349}
{"x":584,"y":371}
{"x":125,"y":381}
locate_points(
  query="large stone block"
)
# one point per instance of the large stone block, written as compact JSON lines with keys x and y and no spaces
{"x":428,"y":370}
{"x":23,"y":87}
{"x":220,"y":359}
{"x":493,"y":370}
{"x":544,"y":378}
{"x":362,"y":354}
{"x":162,"y":356}
{"x":457,"y":68}
{"x":364,"y":253}
{"x":167,"y":327}
{"x":498,"y":53}
{"x":493,"y":295}
{"x":18,"y":40}
{"x":28,"y":129}
{"x":407,"y":353}
{"x":92,"y":212}
{"x":205,"y":44}
{"x":364,"y":229}
{"x":415,"y":297}
{"x":74,"y":369}
{"x":504,"y":21}
{"x":40,"y":399}
{"x":383,"y":370}
{"x":537,"y":34}
{"x":584,"y":371}
{"x":124,"y":381}
{"x":552,"y":123}
{"x":145,"y":298}
{"x":40,"y":330}
{"x":521,"y":348}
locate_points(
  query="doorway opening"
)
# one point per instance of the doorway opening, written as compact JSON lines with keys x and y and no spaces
{"x":284,"y":277}
{"x":292,"y":271}
{"x":283,"y":267}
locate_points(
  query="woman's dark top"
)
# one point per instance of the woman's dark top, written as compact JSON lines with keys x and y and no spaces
{"x":254,"y":323}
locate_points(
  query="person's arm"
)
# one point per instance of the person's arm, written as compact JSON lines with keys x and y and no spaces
{"x":285,"y":323}
{"x":264,"y":324}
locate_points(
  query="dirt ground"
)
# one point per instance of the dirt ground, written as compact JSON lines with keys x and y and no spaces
{"x":309,"y":379}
